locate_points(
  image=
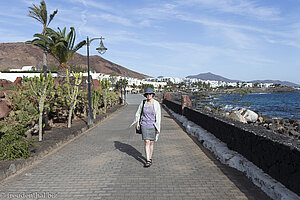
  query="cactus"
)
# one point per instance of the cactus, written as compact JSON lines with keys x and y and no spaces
{"x":105,"y":84}
{"x":97,"y":101}
{"x":82,"y":103}
{"x":40,"y":86}
{"x":73,"y":93}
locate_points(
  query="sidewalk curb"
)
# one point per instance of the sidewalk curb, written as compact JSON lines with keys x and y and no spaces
{"x":18,"y":165}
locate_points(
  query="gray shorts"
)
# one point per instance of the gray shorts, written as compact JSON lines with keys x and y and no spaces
{"x":148,"y":133}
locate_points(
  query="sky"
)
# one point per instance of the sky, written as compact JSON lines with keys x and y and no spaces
{"x":238,"y":39}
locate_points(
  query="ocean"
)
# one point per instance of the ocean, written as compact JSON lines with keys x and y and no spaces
{"x":285,"y":105}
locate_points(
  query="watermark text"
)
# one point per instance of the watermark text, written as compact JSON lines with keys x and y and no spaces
{"x":28,"y":195}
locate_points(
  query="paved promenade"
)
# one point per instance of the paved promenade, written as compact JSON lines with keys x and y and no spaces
{"x":107,"y":163}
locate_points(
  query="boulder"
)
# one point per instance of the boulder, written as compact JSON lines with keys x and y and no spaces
{"x":223,"y":113}
{"x":269,"y":121}
{"x":5,"y":84}
{"x":294,"y":133}
{"x":236,"y":115}
{"x":185,"y":101}
{"x":167,"y":96}
{"x":249,"y":115}
{"x":18,"y":81}
{"x":4,"y":109}
{"x":292,"y":121}
{"x":227,"y":114}
{"x":260,"y":119}
{"x":2,"y":94}
{"x":97,"y":84}
{"x":32,"y":130}
{"x":277,"y":120}
{"x":207,"y":108}
{"x":297,"y":126}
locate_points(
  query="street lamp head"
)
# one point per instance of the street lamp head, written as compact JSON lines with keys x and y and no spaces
{"x":101,"y":49}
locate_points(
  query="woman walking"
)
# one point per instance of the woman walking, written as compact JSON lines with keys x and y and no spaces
{"x":149,"y":112}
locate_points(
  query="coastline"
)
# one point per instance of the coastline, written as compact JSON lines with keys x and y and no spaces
{"x":257,"y":90}
{"x":282,"y":125}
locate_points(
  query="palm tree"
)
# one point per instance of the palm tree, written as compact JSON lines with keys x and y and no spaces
{"x":40,"y":14}
{"x":118,"y":85}
{"x":58,"y":44}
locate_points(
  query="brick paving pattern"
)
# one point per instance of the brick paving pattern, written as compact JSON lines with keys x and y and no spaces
{"x":107,"y":163}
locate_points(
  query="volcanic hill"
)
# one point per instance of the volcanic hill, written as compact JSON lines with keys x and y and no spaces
{"x":17,"y":55}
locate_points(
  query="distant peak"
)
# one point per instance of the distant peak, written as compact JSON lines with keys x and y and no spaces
{"x":210,"y":76}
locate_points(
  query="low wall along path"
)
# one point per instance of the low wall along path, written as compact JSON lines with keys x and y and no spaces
{"x":261,"y":154}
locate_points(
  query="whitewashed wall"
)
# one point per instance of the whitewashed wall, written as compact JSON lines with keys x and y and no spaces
{"x":12,"y":76}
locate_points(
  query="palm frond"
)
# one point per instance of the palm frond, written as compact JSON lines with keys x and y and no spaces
{"x":43,"y":38}
{"x":52,"y":16}
{"x":40,"y":13}
{"x":35,"y":14}
{"x":79,"y":45}
{"x":71,"y":38}
{"x":64,"y":32}
{"x":44,"y":13}
{"x":50,"y":31}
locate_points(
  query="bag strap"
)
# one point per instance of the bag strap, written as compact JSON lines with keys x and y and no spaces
{"x":144,"y":101}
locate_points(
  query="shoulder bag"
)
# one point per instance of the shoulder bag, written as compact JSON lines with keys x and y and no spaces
{"x":136,"y":130}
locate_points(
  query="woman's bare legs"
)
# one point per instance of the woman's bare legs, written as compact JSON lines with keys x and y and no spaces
{"x":151,"y":149}
{"x":147,"y":150}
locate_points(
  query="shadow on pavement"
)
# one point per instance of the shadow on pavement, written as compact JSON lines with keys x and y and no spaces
{"x":130,"y":150}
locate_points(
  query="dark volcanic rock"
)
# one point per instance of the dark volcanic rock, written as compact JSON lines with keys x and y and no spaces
{"x":2,"y":94}
{"x":18,"y":81}
{"x":4,"y":109}
{"x":167,"y":96}
{"x":97,"y":84}
{"x":6,"y":84}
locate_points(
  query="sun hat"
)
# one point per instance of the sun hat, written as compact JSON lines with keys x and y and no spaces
{"x":149,"y":91}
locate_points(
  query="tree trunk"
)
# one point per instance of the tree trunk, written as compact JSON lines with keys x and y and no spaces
{"x":70,"y":116}
{"x":105,"y":100}
{"x":73,"y":104}
{"x":41,"y":109}
{"x":62,"y":71}
{"x":94,"y":114}
{"x":45,"y":63}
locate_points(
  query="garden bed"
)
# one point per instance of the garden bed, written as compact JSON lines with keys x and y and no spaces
{"x":52,"y":139}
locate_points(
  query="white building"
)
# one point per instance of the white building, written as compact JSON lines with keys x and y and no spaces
{"x":24,"y":68}
{"x":165,"y":79}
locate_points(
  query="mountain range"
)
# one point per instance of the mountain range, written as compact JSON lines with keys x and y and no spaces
{"x":214,"y":77}
{"x":17,"y":55}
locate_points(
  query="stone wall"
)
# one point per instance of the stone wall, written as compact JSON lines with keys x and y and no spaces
{"x":277,"y":155}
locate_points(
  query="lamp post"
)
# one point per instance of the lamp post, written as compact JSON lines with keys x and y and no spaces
{"x":101,"y":49}
{"x":125,"y":84}
{"x":124,"y":87}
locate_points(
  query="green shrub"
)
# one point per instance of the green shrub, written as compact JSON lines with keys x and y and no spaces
{"x":82,"y":103}
{"x":97,"y":100}
{"x":13,"y":146}
{"x":58,"y":105}
{"x":24,"y":106}
{"x":24,"y":111}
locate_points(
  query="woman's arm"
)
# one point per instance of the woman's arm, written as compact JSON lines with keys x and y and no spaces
{"x":137,"y":114}
{"x":157,"y":116}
